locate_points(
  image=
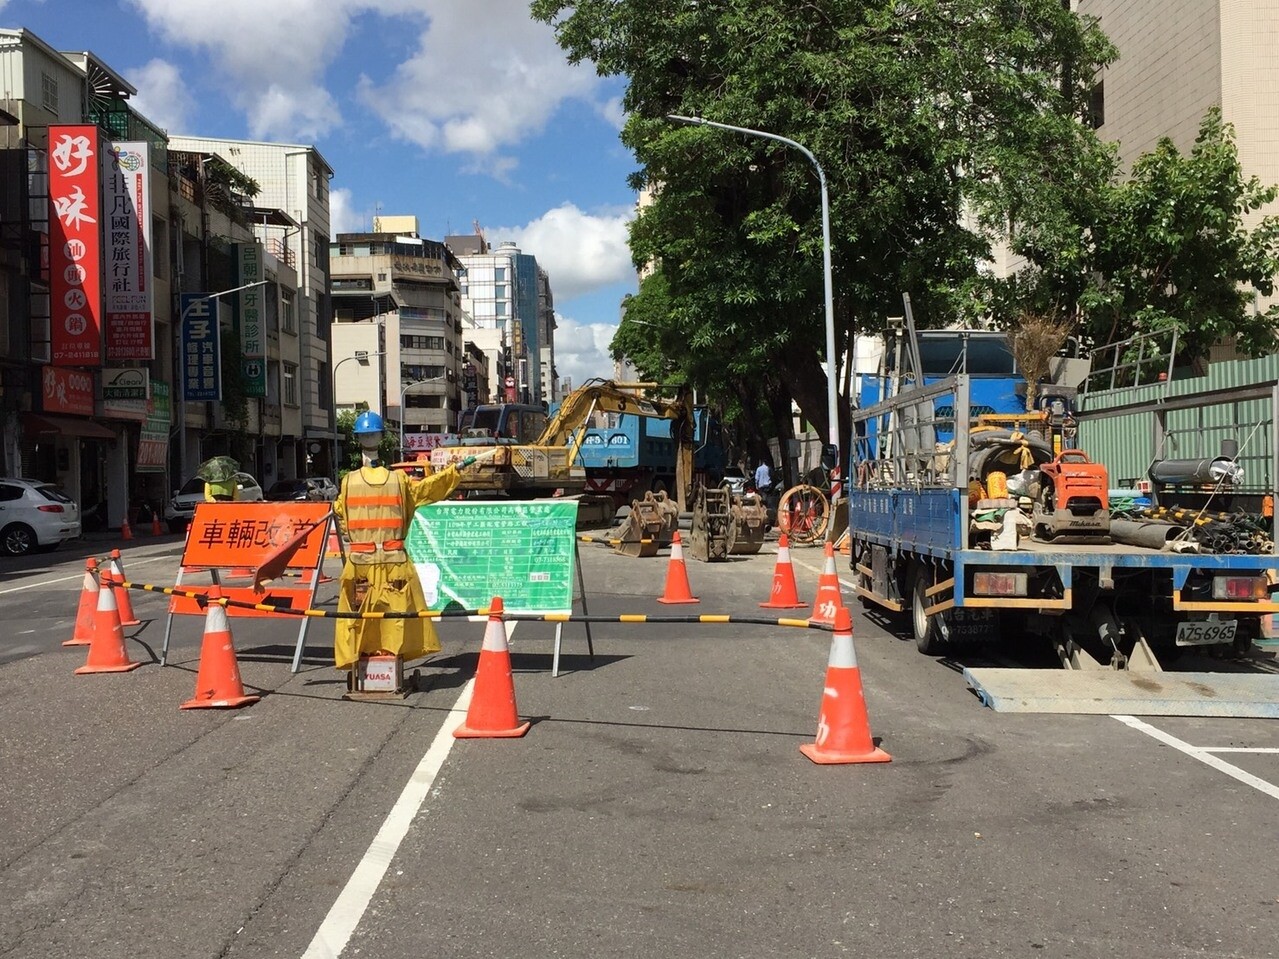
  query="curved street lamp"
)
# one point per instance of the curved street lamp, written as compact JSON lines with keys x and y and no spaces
{"x":832,"y":406}
{"x":182,"y":377}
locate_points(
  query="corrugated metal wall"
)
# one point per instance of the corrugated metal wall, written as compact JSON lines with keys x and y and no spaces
{"x":1127,"y":444}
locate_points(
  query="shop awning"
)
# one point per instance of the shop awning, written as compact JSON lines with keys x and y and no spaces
{"x":38,"y":424}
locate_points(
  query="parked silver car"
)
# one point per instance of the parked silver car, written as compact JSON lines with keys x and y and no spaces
{"x":180,"y":510}
{"x":35,"y":515}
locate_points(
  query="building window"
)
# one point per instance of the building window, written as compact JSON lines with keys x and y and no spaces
{"x":1095,"y":111}
{"x":499,"y":291}
{"x":288,"y":313}
{"x":499,"y":309}
{"x":421,"y":342}
{"x":290,"y":384}
{"x":499,"y":273}
{"x":49,"y":92}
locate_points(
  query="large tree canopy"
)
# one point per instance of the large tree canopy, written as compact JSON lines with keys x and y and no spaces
{"x":936,"y":122}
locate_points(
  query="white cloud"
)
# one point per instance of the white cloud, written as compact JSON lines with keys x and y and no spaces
{"x":162,"y":96}
{"x":611,"y":110}
{"x":469,"y":90}
{"x":581,"y":349}
{"x":580,"y":252}
{"x":343,"y":217}
{"x":273,"y":62}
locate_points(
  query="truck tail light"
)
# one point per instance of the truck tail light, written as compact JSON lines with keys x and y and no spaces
{"x":1239,"y":587}
{"x":1000,"y":584}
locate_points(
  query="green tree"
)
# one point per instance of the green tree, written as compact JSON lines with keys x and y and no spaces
{"x":1174,"y":253}
{"x":937,"y":122}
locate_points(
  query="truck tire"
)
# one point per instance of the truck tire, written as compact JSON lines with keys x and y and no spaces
{"x":928,"y":630}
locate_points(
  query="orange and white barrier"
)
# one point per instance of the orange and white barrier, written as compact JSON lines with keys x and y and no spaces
{"x":107,"y":653}
{"x":218,"y":684}
{"x":82,"y":633}
{"x":677,"y":589}
{"x":492,"y":713}
{"x":784,"y":594}
{"x":843,"y":728}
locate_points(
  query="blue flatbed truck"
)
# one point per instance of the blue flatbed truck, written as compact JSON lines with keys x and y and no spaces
{"x":1103,"y":605}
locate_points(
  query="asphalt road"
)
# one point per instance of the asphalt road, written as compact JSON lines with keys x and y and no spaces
{"x":658,"y":807}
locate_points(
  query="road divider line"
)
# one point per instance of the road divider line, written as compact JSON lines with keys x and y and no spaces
{"x":1195,"y":752}
{"x":78,"y":577}
{"x":353,"y":901}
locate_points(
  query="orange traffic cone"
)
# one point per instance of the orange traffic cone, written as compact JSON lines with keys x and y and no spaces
{"x":828,"y":600}
{"x":122,"y":600}
{"x":217,"y":684}
{"x":334,"y":545}
{"x":784,"y":595}
{"x":843,"y":729}
{"x":82,"y":634}
{"x":156,"y":528}
{"x":492,"y":713}
{"x":107,"y":653}
{"x":677,"y":589}
{"x":126,"y":533}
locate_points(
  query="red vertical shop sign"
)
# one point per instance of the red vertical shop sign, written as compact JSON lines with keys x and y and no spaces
{"x":75,"y":248}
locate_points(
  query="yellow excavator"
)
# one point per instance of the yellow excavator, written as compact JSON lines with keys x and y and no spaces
{"x":548,"y":465}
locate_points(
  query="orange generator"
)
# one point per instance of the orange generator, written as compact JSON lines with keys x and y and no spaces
{"x":1074,"y":501}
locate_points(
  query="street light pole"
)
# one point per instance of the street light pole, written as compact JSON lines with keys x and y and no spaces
{"x":404,"y":391}
{"x":832,"y":388}
{"x":182,"y":376}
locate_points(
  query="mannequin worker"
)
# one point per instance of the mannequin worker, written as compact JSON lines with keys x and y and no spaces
{"x":374,"y":510}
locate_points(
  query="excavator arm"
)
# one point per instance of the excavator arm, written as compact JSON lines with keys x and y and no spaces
{"x":568,"y":427}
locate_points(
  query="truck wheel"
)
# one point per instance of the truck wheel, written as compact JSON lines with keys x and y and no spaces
{"x":927,"y":629}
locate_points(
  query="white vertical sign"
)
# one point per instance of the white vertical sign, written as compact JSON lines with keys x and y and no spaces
{"x":127,"y":291}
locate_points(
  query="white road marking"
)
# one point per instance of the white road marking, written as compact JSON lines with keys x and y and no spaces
{"x":1203,"y":755}
{"x":1268,"y":750}
{"x":78,"y":577}
{"x":352,"y":902}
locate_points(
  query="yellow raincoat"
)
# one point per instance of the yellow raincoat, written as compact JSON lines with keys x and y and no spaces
{"x":374,"y":511}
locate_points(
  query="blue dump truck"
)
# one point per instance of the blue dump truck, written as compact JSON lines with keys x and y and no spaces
{"x":979,"y":520}
{"x":637,"y":454}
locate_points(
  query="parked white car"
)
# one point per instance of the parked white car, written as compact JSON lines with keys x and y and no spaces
{"x":35,"y":515}
{"x":180,"y":510}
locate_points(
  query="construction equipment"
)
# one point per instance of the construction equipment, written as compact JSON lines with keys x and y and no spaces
{"x":649,"y":526}
{"x":711,"y":537}
{"x":550,"y":464}
{"x":1074,"y":499}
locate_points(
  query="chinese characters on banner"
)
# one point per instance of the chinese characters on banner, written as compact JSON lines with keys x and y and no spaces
{"x":201,"y":348}
{"x":67,"y":391}
{"x":153,"y":439}
{"x":252,"y":335}
{"x":127,"y":294}
{"x":75,"y":255}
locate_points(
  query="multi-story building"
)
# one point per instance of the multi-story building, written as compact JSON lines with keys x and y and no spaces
{"x":103,"y":229}
{"x":396,"y":300}
{"x":294,"y":179}
{"x":504,"y":288}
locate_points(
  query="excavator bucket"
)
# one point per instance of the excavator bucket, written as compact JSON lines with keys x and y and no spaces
{"x":711,"y":537}
{"x":750,"y":519}
{"x":649,"y":526}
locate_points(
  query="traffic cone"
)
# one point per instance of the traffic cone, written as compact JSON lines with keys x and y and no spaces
{"x":82,"y":634}
{"x":126,"y":533}
{"x":107,"y":653}
{"x":677,"y":589}
{"x":156,"y":528}
{"x":828,"y":601}
{"x":784,"y":594}
{"x":492,"y":713}
{"x":843,"y":729}
{"x":122,"y":600}
{"x":217,"y":684}
{"x":334,"y":545}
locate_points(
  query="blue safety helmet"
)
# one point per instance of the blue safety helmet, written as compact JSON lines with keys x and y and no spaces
{"x":368,"y":422}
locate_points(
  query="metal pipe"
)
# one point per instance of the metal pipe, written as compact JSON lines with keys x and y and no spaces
{"x":1128,"y":532}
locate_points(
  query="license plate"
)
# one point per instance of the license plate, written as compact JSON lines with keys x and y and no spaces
{"x":1206,"y":632}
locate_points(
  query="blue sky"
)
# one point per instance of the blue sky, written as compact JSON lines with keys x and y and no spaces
{"x":456,"y":111}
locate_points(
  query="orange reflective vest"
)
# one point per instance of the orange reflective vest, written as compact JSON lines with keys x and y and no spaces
{"x":376,"y":518}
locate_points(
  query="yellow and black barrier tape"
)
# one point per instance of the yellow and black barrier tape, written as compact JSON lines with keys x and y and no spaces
{"x":705,"y":618}
{"x":611,"y":542}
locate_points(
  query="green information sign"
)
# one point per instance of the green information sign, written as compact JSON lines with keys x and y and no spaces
{"x":467,"y":552}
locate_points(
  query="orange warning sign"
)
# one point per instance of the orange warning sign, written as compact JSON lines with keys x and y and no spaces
{"x":244,"y":535}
